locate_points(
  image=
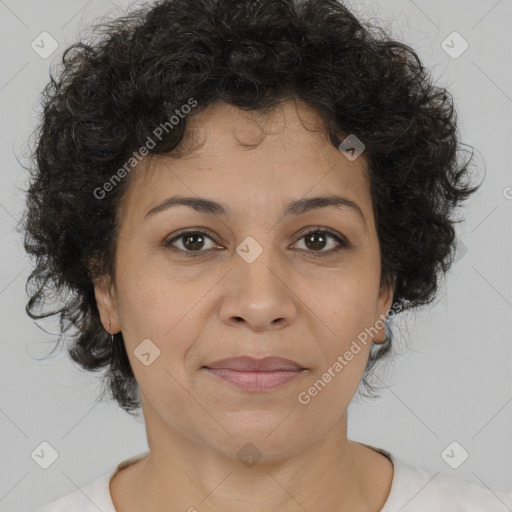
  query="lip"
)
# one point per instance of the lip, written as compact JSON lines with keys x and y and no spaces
{"x":251,"y":364}
{"x":255,"y":381}
{"x":252,"y":374}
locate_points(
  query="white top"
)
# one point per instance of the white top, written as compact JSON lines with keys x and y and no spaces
{"x":413,"y":489}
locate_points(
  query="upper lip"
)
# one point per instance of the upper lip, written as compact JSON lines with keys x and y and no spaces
{"x":247,"y":363}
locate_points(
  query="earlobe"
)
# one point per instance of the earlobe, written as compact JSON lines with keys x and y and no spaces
{"x":386,"y":293}
{"x":385,"y":302}
{"x":106,"y":304}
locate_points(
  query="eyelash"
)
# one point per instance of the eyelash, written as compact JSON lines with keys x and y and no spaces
{"x":343,"y":244}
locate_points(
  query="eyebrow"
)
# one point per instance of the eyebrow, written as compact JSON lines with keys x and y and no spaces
{"x":299,"y":207}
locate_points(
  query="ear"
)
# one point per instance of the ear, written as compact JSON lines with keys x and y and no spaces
{"x":384,"y":303}
{"x":107,"y":306}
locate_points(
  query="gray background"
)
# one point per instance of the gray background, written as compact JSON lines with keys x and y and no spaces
{"x":451,"y":377}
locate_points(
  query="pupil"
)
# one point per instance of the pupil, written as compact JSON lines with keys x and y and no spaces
{"x":320,"y":236}
{"x":191,"y":237}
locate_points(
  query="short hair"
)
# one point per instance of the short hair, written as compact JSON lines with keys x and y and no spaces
{"x":111,"y":92}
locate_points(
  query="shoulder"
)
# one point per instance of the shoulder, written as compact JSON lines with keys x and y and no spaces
{"x":416,"y":489}
{"x":91,"y":498}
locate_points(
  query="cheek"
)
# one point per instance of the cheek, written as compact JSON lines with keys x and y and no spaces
{"x":170,"y":312}
{"x":347,"y":305}
{"x":343,"y":348}
{"x":152,"y":300}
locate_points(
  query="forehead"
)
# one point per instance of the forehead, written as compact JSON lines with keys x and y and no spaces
{"x":251,"y":158}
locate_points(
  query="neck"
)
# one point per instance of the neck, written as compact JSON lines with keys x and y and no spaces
{"x":181,"y":473}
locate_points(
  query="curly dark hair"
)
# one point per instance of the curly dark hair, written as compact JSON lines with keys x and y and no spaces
{"x":136,"y":70}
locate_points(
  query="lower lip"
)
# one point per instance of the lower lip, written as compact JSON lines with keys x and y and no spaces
{"x":256,"y":381}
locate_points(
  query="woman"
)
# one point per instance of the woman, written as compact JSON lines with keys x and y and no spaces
{"x":240,"y":196}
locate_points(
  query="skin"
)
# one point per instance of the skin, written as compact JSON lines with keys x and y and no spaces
{"x":287,"y":303}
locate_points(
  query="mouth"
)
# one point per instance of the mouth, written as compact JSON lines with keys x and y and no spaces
{"x":252,"y":374}
{"x":251,"y":364}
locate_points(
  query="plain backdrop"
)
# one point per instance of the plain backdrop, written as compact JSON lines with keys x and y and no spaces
{"x":450,"y":380}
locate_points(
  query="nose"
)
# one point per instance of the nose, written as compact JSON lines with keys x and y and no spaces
{"x":259,"y":294}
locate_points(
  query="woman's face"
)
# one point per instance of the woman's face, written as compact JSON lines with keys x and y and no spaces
{"x":253,"y":285}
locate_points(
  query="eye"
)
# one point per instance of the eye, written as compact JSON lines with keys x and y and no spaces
{"x":317,"y":239}
{"x":191,"y":241}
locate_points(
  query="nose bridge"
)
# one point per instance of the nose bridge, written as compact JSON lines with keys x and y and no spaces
{"x":258,"y":264}
{"x":257,"y":291}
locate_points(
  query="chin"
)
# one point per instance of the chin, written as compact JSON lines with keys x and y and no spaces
{"x":267,"y":439}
